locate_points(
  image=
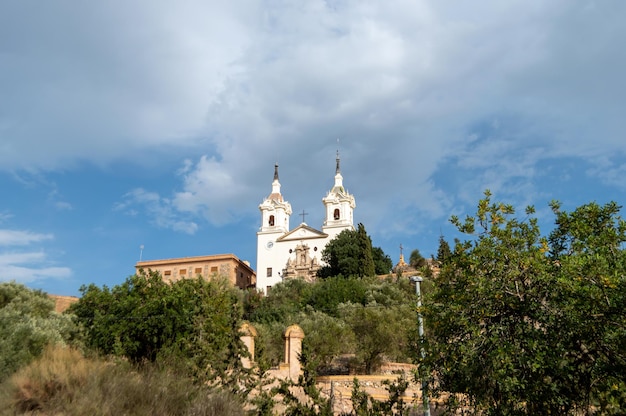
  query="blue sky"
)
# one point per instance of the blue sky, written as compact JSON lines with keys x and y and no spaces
{"x":151,"y":123}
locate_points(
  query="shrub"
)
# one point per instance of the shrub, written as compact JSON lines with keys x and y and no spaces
{"x":63,"y":381}
{"x":28,"y":323}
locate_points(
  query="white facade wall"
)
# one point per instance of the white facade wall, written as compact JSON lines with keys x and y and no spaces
{"x":276,"y":254}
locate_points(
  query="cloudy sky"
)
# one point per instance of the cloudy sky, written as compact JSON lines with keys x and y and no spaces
{"x":130,"y":123}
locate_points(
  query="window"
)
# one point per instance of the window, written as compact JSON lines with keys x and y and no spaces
{"x":167,"y":273}
{"x":336,"y":214}
{"x":198,"y":270}
{"x":271,"y":222}
{"x":269,"y":272}
{"x":214,"y":269}
{"x":182,"y":272}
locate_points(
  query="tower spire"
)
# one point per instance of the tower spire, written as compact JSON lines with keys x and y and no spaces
{"x":276,"y":185}
{"x":339,"y":204}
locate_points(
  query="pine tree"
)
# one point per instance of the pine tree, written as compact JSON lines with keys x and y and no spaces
{"x":366,"y":263}
{"x":443,"y":252}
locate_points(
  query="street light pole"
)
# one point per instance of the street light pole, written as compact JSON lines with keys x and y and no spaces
{"x":418,"y":280}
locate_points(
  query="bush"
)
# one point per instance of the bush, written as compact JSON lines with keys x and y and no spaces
{"x":28,"y":323}
{"x":62,"y":381}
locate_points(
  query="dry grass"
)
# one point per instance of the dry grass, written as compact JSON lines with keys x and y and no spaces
{"x":64,"y":382}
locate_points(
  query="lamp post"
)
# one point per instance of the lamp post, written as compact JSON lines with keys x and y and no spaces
{"x":418,"y":280}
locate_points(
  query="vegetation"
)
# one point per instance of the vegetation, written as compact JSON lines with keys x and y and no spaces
{"x":336,"y":312}
{"x":443,"y":251}
{"x":350,"y":254}
{"x":416,"y":259}
{"x":522,"y":323}
{"x":28,"y":323}
{"x":382,"y":262}
{"x":193,"y":321}
{"x":64,"y":382}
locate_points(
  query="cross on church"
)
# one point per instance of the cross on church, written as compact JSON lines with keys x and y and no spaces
{"x":400,"y":248}
{"x":303,"y":215}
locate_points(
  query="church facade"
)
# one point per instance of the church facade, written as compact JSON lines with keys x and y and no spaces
{"x":285,"y":253}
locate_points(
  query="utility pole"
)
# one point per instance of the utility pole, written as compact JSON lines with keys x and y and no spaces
{"x":418,"y":280}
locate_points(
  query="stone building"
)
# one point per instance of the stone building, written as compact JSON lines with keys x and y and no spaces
{"x":238,"y":272}
{"x":284,"y":253}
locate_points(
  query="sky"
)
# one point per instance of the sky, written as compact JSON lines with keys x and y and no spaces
{"x":151,"y":123}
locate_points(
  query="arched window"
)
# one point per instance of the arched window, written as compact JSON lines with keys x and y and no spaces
{"x":336,"y":214}
{"x":271,"y":221}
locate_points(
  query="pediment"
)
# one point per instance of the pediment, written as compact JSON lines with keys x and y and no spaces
{"x":302,"y":232}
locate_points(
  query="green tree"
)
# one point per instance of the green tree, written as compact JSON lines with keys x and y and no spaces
{"x":286,"y":299}
{"x":144,"y":319}
{"x":327,"y":338}
{"x":366,"y":263}
{"x":589,"y":300}
{"x":328,"y":294}
{"x":382,"y":261}
{"x":443,"y":251}
{"x":28,"y":323}
{"x":135,"y":319}
{"x":524,"y":324}
{"x":349,"y":254}
{"x":381,"y":332}
{"x":416,"y":259}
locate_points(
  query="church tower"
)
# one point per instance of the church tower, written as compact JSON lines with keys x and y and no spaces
{"x":339,"y":206}
{"x":275,"y":212}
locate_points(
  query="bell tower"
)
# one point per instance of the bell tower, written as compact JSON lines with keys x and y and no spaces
{"x":275,"y":212}
{"x":339,"y":206}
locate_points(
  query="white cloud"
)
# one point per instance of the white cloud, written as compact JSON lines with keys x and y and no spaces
{"x":27,"y":266}
{"x":21,"y":238}
{"x":609,"y":171}
{"x":210,"y":190}
{"x":159,"y":210}
{"x":29,"y":274}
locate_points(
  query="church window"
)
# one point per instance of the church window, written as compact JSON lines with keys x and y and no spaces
{"x":271,"y":221}
{"x":269,"y":272}
{"x":336,"y":214}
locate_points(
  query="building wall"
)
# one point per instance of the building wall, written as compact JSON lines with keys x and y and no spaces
{"x":62,"y":303}
{"x":276,"y":256}
{"x":238,"y":272}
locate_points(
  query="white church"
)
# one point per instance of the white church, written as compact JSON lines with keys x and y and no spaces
{"x":284,"y":253}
